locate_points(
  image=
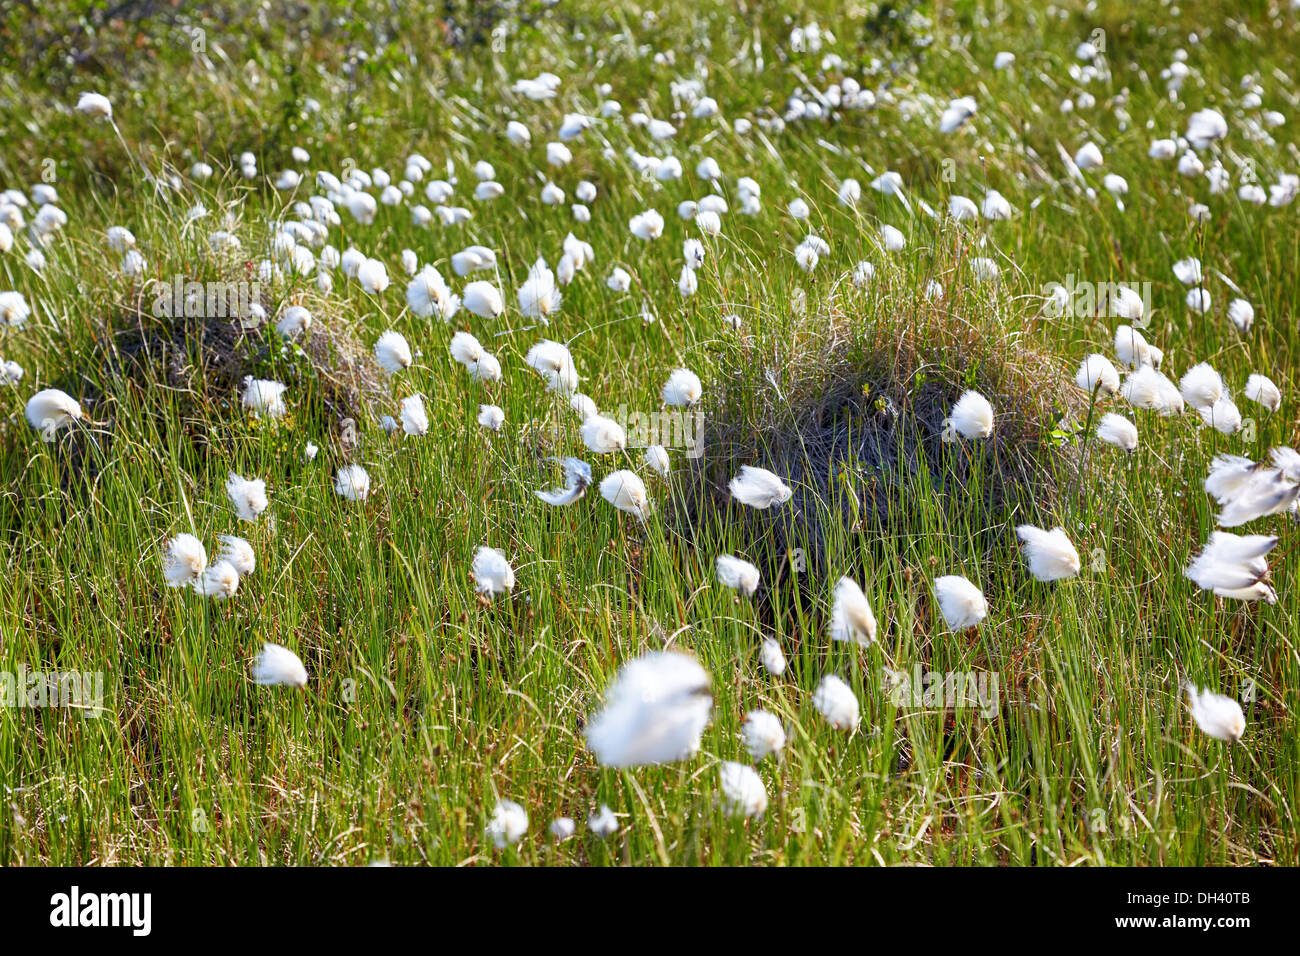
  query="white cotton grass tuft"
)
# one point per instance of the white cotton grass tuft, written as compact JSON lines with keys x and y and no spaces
{"x":219,"y":581}
{"x":1229,"y":476}
{"x":577,"y":479}
{"x":971,"y":417}
{"x":647,"y":225}
{"x":764,"y":734}
{"x":956,"y":114}
{"x":656,"y":458}
{"x":683,"y":388}
{"x":1223,"y":415}
{"x":492,"y":572}
{"x":95,"y":104}
{"x":961,"y":603}
{"x":1201,"y":387}
{"x":238,"y":553}
{"x":603,"y":435}
{"x":602,"y":823}
{"x":293,"y":321}
{"x":352,"y":482}
{"x":481,"y":365}
{"x":392,"y":352}
{"x":772,"y":656}
{"x":508,"y":825}
{"x":472,"y":259}
{"x":247,"y":495}
{"x":837,"y":703}
{"x":562,"y":828}
{"x":1234,"y":566}
{"x":264,"y":398}
{"x":1051,"y":555}
{"x":14,"y":310}
{"x":626,"y":491}
{"x":1188,"y":271}
{"x":539,"y":296}
{"x":552,"y":361}
{"x":1248,"y":491}
{"x":1242,"y":314}
{"x":184,"y":560}
{"x":1218,"y":716}
{"x":851,"y":617}
{"x":1205,"y":127}
{"x":1153,"y":391}
{"x":655,"y":712}
{"x":759,"y":488}
{"x":743,"y":793}
{"x":277,"y":665}
{"x":1199,"y":300}
{"x":49,"y":410}
{"x":415,"y":420}
{"x":491,"y":417}
{"x":372,"y":276}
{"x":1118,"y":431}
{"x":1132,"y":347}
{"x":428,"y":294}
{"x":1097,"y":374}
{"x":737,"y":574}
{"x":1261,"y":390}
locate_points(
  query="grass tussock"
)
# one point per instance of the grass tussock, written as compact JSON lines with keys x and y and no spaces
{"x":847,"y":398}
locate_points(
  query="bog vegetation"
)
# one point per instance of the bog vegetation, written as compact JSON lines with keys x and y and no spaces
{"x":676,"y":433}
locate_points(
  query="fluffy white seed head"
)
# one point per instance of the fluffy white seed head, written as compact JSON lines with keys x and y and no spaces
{"x":184,"y":560}
{"x":1218,"y":716}
{"x":626,"y":491}
{"x":603,"y":435}
{"x":552,"y":361}
{"x":1201,"y":387}
{"x":248,"y":496}
{"x":851,"y":617}
{"x":759,"y":488}
{"x":773,"y":657}
{"x":971,"y":417}
{"x":961,"y":603}
{"x":763,"y":733}
{"x":602,"y":823}
{"x":219,"y":581}
{"x":279,"y":665}
{"x":655,"y":712}
{"x":238,"y":553}
{"x":1050,"y":554}
{"x":49,"y":410}
{"x":393,"y":352}
{"x":352,"y":482}
{"x":737,"y":574}
{"x":1260,"y":389}
{"x":1118,"y":431}
{"x":1097,"y":374}
{"x":415,"y":420}
{"x":743,"y":792}
{"x":837,"y":703}
{"x":509,"y":824}
{"x":683,"y":388}
{"x":264,"y":398}
{"x":492,"y":572}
